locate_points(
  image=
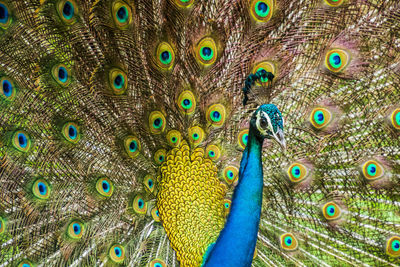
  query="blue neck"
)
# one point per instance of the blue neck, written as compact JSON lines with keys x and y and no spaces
{"x":236,"y":242}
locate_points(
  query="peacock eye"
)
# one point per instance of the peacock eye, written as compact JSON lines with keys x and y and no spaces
{"x":320,"y":117}
{"x":155,"y":214}
{"x":156,"y":122}
{"x":231,"y":174}
{"x":149,"y":183}
{"x":213,"y":152}
{"x":243,"y":137}
{"x":117,"y":253}
{"x":157,"y":263}
{"x":227,"y":206}
{"x":297,"y":172}
{"x":67,"y":11}
{"x":61,"y":75}
{"x":132,"y":146}
{"x":395,"y":118}
{"x":336,"y":60}
{"x":118,"y":81}
{"x":372,"y":170}
{"x":288,"y":242}
{"x":216,"y":115}
{"x":331,"y":211}
{"x":5,"y":18}
{"x":139,"y":205}
{"x":70,"y":132}
{"x":21,"y":141}
{"x":159,"y":156}
{"x":7,"y":89}
{"x":206,"y":51}
{"x":184,"y":3}
{"x":122,"y":14}
{"x":174,"y":138}
{"x":41,"y":189}
{"x":75,"y":229}
{"x":393,"y":246}
{"x":334,"y":2}
{"x":196,"y":135}
{"x":165,"y":56}
{"x":186,"y":102}
{"x":25,"y":263}
{"x":262,"y":11}
{"x":104,"y":187}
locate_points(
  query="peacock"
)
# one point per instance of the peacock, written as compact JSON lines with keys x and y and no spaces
{"x":199,"y":133}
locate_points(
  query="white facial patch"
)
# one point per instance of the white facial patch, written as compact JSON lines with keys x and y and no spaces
{"x":258,"y":123}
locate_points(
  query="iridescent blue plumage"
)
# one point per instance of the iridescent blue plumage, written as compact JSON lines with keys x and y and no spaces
{"x":240,"y":231}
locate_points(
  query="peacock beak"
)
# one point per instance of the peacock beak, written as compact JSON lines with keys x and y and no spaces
{"x":280,"y":138}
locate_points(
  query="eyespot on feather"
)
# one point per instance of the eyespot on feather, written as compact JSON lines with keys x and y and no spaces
{"x":7,"y":89}
{"x":231,"y":174}
{"x":21,"y":141}
{"x":320,"y":118}
{"x":213,"y":152}
{"x":196,"y":135}
{"x":288,"y":242}
{"x":157,"y":122}
{"x":71,"y":132}
{"x":41,"y":189}
{"x":372,"y":170}
{"x":117,"y":253}
{"x":132,"y":146}
{"x":67,"y":10}
{"x":165,"y":56}
{"x":331,"y":211}
{"x":262,"y":11}
{"x":186,"y":103}
{"x":122,"y":14}
{"x":75,"y":229}
{"x":216,"y":115}
{"x":336,"y":60}
{"x":206,"y":51}
{"x":104,"y":187}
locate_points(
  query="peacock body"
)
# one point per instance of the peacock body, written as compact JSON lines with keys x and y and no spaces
{"x":123,"y":133}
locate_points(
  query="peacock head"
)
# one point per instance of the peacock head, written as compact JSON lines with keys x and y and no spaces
{"x":268,"y":122}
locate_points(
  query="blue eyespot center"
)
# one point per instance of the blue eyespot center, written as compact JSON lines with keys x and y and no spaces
{"x":3,"y":13}
{"x":77,"y":228}
{"x":230,"y":174}
{"x":117,"y":252}
{"x":42,"y":188}
{"x":157,"y":265}
{"x":132,"y":146}
{"x":157,"y":213}
{"x":68,"y":10}
{"x":216,"y":115}
{"x":288,"y":240}
{"x":331,"y":210}
{"x":212,"y":153}
{"x":157,"y":122}
{"x":105,"y":186}
{"x":174,"y":139}
{"x":396,"y":245}
{"x":226,"y":205}
{"x":320,"y":116}
{"x":161,"y":158}
{"x":122,"y":14}
{"x":140,"y":203}
{"x":25,"y":265}
{"x":186,"y":102}
{"x":62,"y":74}
{"x":165,"y":55}
{"x":206,"y":51}
{"x":7,"y":88}
{"x":23,"y":142}
{"x":262,"y":7}
{"x":72,"y":132}
{"x":119,"y":81}
{"x":150,"y":183}
{"x":195,"y":135}
{"x":336,"y":59}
